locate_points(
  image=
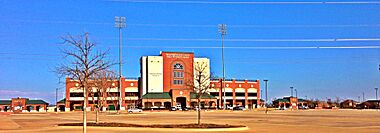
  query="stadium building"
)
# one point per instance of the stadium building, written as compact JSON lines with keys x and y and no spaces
{"x":23,"y":105}
{"x":163,"y":84}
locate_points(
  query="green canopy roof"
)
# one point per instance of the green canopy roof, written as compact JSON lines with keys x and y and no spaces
{"x":204,"y":96}
{"x":5,"y":102}
{"x":164,"y":95}
{"x":62,"y":101}
{"x":301,"y":100}
{"x":281,"y":100}
{"x":35,"y":102}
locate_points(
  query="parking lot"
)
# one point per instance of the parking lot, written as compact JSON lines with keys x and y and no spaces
{"x":305,"y":121}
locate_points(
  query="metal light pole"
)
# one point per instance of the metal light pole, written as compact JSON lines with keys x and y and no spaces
{"x":120,"y":23}
{"x":363,"y":97}
{"x":266,"y":96}
{"x":291,"y":91}
{"x":296,"y":97}
{"x":56,"y":99}
{"x":377,"y":103}
{"x":223,"y":32}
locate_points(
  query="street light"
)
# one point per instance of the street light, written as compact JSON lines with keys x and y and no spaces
{"x":223,"y":32}
{"x":266,"y":96}
{"x":120,"y":23}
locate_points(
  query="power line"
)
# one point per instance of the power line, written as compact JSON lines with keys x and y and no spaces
{"x":259,"y":47}
{"x":249,"y":2}
{"x":260,"y":40}
{"x":196,"y":25}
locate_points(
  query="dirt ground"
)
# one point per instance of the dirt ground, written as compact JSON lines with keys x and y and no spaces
{"x":305,"y":121}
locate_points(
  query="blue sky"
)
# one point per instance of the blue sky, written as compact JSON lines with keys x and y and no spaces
{"x":271,"y":41}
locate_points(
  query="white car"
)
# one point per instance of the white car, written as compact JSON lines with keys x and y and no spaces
{"x":134,"y":110}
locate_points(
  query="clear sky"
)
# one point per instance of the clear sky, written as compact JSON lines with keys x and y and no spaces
{"x":322,"y":49}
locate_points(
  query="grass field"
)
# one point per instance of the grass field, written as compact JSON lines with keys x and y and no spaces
{"x":306,"y":121}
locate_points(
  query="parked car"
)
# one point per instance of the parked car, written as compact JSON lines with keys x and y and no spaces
{"x":238,"y":108}
{"x":303,"y":107}
{"x":185,"y":109}
{"x":134,"y":110}
{"x":230,"y":108}
{"x":173,"y":109}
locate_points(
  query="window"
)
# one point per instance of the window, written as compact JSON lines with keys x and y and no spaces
{"x":178,"y":66}
{"x":239,"y":94}
{"x":178,"y":74}
{"x":214,"y":93}
{"x":178,"y":82}
{"x":76,"y":94}
{"x":252,"y":94}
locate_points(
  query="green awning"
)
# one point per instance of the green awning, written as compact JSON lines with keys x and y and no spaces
{"x":164,"y":95}
{"x":301,"y":100}
{"x":35,"y":102}
{"x":62,"y":101}
{"x":281,"y":100}
{"x":5,"y":102}
{"x":204,"y":96}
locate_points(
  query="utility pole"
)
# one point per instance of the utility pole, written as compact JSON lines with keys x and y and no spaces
{"x":296,"y":97}
{"x":120,"y":23}
{"x":266,"y":96}
{"x":223,"y":32}
{"x":376,"y":92}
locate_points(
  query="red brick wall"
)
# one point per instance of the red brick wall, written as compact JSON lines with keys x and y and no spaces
{"x":169,"y":59}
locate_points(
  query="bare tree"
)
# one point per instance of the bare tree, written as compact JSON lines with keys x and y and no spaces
{"x":83,"y":63}
{"x":103,"y":82}
{"x":114,"y":99}
{"x":200,"y":84}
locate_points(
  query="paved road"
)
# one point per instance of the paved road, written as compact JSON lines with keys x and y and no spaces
{"x":309,"y":121}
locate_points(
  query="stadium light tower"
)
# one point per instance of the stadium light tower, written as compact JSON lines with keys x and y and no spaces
{"x":120,"y":24}
{"x":291,"y":91}
{"x":266,"y":96}
{"x":377,"y":102}
{"x":223,"y":32}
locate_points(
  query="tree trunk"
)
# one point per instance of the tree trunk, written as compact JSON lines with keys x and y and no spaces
{"x":199,"y":113}
{"x":84,"y":109}
{"x":97,"y":115}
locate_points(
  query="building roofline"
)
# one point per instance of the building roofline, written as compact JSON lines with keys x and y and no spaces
{"x":175,"y":52}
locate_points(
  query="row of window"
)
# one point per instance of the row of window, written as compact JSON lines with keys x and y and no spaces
{"x":178,"y":82}
{"x":178,"y":74}
{"x":236,"y":94}
{"x":116,"y":94}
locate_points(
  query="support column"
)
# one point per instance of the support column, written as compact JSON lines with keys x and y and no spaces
{"x":123,"y":85}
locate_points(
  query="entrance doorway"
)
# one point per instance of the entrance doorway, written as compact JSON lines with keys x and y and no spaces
{"x":181,"y":101}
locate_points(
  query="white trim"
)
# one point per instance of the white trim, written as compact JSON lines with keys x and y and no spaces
{"x":240,"y":98}
{"x":240,"y":90}
{"x":131,"y":98}
{"x":252,"y":90}
{"x":228,"y":89}
{"x":228,"y":97}
{"x":131,"y":89}
{"x":252,"y":98}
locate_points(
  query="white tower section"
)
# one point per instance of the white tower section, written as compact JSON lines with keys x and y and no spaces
{"x":202,"y":62}
{"x":152,"y":74}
